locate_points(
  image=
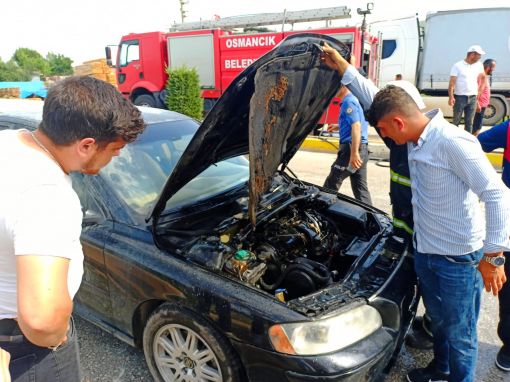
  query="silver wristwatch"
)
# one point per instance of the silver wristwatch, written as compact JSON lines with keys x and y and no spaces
{"x":497,"y":261}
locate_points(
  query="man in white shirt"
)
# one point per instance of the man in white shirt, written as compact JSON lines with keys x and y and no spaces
{"x":464,"y":89}
{"x":85,"y":123}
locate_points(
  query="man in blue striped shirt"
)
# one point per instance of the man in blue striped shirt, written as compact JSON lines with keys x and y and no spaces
{"x":449,"y":173}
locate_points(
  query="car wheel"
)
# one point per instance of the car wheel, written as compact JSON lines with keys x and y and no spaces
{"x":179,"y":345}
{"x":145,"y":100}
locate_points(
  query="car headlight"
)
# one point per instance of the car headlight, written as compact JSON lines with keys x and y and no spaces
{"x":327,"y":335}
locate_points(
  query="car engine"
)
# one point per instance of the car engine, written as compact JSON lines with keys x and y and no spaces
{"x":298,"y":250}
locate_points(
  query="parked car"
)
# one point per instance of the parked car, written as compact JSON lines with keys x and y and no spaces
{"x":204,"y":250}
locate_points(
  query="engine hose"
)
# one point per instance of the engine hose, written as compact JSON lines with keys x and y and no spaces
{"x":302,"y":267}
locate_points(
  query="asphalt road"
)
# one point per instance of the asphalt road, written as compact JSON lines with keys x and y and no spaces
{"x":106,"y":359}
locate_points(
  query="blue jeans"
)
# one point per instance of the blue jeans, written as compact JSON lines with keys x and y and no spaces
{"x":451,"y":288}
{"x":466,"y":105}
{"x":33,"y":363}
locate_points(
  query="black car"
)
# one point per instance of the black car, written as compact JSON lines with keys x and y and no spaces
{"x":225,"y":268}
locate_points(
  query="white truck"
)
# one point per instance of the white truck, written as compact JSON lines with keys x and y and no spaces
{"x":424,"y":53}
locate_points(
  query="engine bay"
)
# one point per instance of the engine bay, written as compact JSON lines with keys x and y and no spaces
{"x":305,"y":240}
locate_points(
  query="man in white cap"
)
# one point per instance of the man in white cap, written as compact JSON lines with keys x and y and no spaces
{"x":453,"y":255}
{"x":464,"y":89}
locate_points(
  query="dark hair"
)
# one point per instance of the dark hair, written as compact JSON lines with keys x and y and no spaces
{"x":488,"y":62}
{"x":390,"y":99}
{"x":85,"y":107}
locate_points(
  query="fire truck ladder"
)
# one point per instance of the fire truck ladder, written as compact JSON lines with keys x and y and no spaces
{"x":263,"y":19}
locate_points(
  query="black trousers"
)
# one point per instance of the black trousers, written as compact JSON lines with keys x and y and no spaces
{"x":339,"y":172}
{"x":33,"y":363}
{"x":504,"y":308}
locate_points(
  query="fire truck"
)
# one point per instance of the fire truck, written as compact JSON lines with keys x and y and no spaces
{"x":219,"y":54}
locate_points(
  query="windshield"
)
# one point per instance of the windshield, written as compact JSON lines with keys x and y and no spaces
{"x":139,"y":173}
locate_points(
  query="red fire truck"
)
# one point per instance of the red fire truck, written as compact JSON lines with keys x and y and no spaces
{"x":219,"y":54}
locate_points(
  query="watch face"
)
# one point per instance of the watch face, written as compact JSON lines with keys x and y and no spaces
{"x":498,"y":261}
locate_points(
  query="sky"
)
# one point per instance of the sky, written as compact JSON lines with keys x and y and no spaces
{"x":80,"y":29}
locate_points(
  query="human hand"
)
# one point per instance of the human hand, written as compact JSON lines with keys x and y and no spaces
{"x":333,"y":59}
{"x":332,"y":128}
{"x":478,"y":107}
{"x":355,"y":161}
{"x":451,"y":101}
{"x":493,"y":277}
{"x":5,"y":357}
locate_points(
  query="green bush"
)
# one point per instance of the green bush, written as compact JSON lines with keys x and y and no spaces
{"x":183,"y":92}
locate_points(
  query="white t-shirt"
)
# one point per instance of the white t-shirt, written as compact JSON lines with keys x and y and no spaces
{"x":40,"y":214}
{"x":467,"y":77}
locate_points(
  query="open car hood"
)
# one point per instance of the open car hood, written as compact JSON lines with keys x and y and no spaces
{"x":267,"y":111}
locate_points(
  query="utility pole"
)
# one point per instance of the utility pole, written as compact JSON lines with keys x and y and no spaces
{"x":182,"y":3}
{"x":364,"y":13}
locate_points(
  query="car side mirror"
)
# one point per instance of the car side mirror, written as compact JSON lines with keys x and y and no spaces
{"x":91,"y":217}
{"x":108,"y":52}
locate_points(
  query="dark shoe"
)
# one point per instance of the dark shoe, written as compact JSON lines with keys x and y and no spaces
{"x":427,"y":374}
{"x":419,"y":338}
{"x":503,"y":359}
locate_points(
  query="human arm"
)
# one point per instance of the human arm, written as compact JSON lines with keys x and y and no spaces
{"x":44,"y":304}
{"x":451,"y":89}
{"x":355,"y":160}
{"x":46,"y":230}
{"x":494,"y":138}
{"x":470,"y":164}
{"x":4,"y":366}
{"x":482,"y":85}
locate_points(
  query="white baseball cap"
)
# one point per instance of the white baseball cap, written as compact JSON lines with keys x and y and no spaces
{"x":410,"y":89}
{"x":476,"y":48}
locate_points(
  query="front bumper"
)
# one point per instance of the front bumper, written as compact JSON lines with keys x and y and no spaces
{"x":364,"y":360}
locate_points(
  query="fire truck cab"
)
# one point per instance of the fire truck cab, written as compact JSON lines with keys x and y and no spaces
{"x":219,"y":54}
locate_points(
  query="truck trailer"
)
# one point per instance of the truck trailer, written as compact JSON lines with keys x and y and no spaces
{"x":425,"y":52}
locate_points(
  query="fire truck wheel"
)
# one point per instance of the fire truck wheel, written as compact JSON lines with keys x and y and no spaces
{"x":145,"y":100}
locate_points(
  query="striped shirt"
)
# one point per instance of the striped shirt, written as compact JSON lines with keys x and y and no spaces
{"x":448,"y":171}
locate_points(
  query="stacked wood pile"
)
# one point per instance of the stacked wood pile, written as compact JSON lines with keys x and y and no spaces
{"x":98,"y":69}
{"x":10,"y":93}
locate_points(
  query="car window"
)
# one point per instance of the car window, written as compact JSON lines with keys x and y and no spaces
{"x":388,"y":48}
{"x":139,"y":173}
{"x":129,"y":51}
{"x":218,"y":178}
{"x":86,"y":200}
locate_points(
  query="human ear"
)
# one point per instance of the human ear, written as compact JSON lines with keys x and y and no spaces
{"x":87,"y":146}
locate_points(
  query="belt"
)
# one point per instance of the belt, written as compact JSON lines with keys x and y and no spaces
{"x":9,"y":327}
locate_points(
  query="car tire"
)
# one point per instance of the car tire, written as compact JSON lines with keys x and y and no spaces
{"x":201,"y":351}
{"x":145,"y":100}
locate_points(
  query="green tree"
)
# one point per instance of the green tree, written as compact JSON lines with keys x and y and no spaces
{"x":10,"y":71}
{"x":60,"y":65}
{"x":31,"y":61}
{"x":183,"y":92}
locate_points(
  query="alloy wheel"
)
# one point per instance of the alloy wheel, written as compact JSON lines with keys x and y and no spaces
{"x":182,"y":355}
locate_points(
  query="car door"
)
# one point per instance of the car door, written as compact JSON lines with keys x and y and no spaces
{"x":93,"y":297}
